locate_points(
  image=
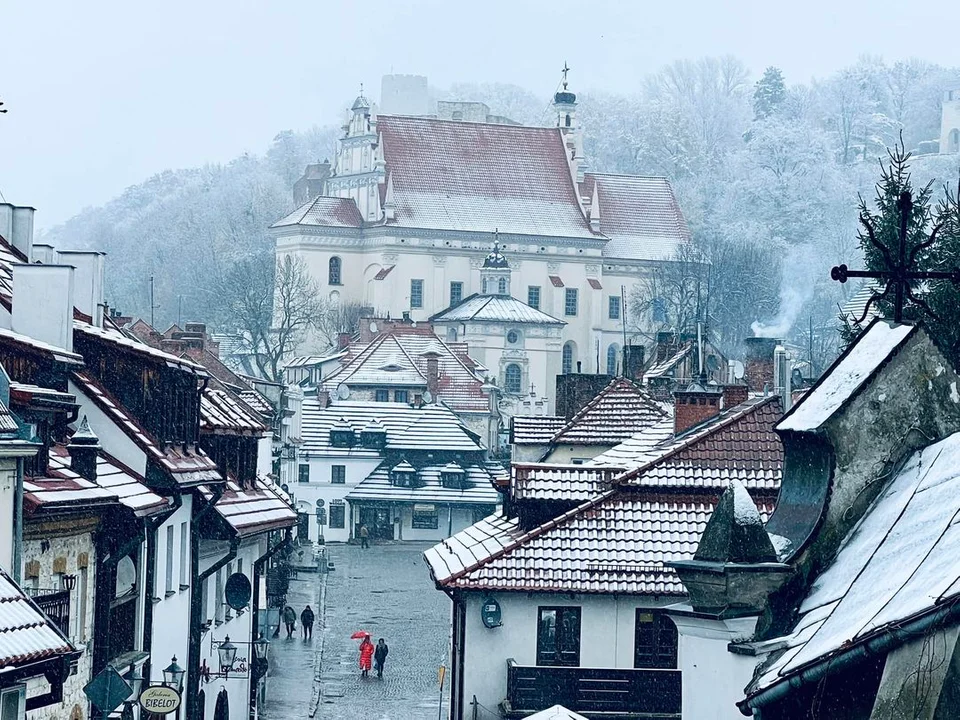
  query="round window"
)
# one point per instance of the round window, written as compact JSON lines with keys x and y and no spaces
{"x":513,"y":337}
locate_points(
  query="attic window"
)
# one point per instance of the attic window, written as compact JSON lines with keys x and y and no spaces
{"x":556,"y":281}
{"x":373,"y":437}
{"x":453,"y":477}
{"x":342,"y":435}
{"x":404,"y":475}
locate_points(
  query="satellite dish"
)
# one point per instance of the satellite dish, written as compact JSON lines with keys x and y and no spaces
{"x":238,"y":591}
{"x":320,"y":502}
{"x":373,"y":328}
{"x":343,"y":392}
{"x":738,"y":370}
{"x":285,"y":488}
{"x":427,"y":396}
{"x":713,"y":363}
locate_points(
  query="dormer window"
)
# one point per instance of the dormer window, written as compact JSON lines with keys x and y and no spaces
{"x":342,"y":435}
{"x":373,"y":436}
{"x":404,"y":475}
{"x":453,"y":477}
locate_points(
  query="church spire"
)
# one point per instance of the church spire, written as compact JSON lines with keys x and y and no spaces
{"x":565,"y":106}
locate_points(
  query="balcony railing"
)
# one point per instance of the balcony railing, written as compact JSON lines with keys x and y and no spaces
{"x":605,"y":692}
{"x":56,"y":605}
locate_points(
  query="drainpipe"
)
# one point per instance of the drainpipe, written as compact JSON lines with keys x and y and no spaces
{"x":196,"y":596}
{"x":17,"y":555}
{"x":257,"y":565}
{"x":152,"y":525}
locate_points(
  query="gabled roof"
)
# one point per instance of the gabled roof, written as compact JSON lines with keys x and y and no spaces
{"x":495,"y":308}
{"x":535,"y":429}
{"x":851,"y":371}
{"x":324,"y":211}
{"x":449,"y":175}
{"x":27,"y":636}
{"x":569,"y":483}
{"x":898,"y":565}
{"x":253,"y":510}
{"x":619,"y":541}
{"x":224,"y":413}
{"x":377,"y":487}
{"x":640,"y":215}
{"x":617,"y":412}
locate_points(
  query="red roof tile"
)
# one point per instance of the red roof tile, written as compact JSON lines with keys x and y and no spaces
{"x":326,"y":212}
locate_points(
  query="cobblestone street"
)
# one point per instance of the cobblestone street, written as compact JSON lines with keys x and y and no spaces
{"x":387,"y":591}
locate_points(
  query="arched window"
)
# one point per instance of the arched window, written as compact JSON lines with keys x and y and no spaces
{"x":502,"y":286}
{"x":612,"y":359}
{"x":566,"y":366}
{"x":513,"y":379}
{"x":334,"y":273}
{"x":568,"y":120}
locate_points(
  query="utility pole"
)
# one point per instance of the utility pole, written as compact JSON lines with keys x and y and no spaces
{"x":152,"y":306}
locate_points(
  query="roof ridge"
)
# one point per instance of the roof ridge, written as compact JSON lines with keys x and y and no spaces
{"x":618,"y":381}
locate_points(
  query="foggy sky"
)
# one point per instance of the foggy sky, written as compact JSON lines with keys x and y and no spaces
{"x":102,"y":95}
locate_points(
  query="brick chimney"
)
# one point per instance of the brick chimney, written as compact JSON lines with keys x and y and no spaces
{"x":758,"y":365}
{"x":323,"y":397}
{"x":433,"y":374}
{"x":695,"y":405}
{"x":83,"y":449}
{"x":633,"y":356}
{"x":343,"y":340}
{"x":734,"y":395}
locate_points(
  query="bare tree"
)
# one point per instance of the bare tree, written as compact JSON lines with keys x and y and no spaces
{"x":671,"y":295}
{"x":339,"y":317}
{"x":274,"y":305}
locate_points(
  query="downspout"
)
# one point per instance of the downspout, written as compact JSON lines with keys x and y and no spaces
{"x":151,"y":526}
{"x":17,"y":555}
{"x":257,"y":565}
{"x":196,"y":596}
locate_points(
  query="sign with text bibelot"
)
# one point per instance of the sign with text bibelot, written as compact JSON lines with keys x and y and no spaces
{"x":160,"y":699}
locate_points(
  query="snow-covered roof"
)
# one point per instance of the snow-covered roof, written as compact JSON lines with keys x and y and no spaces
{"x":856,"y":307}
{"x":898,"y":564}
{"x":640,"y":215}
{"x":557,"y":712}
{"x":571,"y":483}
{"x":852,"y":370}
{"x":27,"y":635}
{"x":535,"y":429}
{"x":465,"y":176}
{"x":324,"y":211}
{"x":223,"y":412}
{"x":618,"y":411}
{"x":124,"y":342}
{"x":431,"y":427}
{"x":495,"y":308}
{"x":478,"y":488}
{"x":253,"y":510}
{"x":29,"y":344}
{"x":638,"y":448}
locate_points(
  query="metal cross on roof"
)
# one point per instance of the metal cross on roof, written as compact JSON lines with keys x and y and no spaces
{"x":898,"y":275}
{"x":496,"y":240}
{"x":565,"y":71}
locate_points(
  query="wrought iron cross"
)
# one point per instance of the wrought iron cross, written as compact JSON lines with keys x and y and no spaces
{"x":496,"y":240}
{"x":897,"y":275}
{"x":565,"y":71}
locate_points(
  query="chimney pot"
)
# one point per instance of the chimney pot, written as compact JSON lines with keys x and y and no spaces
{"x":433,"y":376}
{"x":694,"y":406}
{"x":83,"y":449}
{"x":758,"y":363}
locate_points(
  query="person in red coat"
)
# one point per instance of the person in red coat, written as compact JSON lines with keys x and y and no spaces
{"x":366,"y":656}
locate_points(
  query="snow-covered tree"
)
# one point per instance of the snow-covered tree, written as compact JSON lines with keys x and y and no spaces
{"x":769,"y":93}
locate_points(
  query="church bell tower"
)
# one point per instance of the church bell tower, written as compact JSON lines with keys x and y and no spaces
{"x":565,"y":107}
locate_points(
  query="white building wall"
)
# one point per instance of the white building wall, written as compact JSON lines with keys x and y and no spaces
{"x":113,"y":440}
{"x":171,"y":606}
{"x":606,"y":636}
{"x":8,"y":484}
{"x":450,"y":520}
{"x":320,"y":487}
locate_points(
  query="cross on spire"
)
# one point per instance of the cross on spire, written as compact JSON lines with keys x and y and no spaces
{"x":566,"y":69}
{"x":898,"y":274}
{"x":496,"y":240}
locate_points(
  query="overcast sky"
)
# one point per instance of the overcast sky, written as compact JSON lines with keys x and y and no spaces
{"x":102,"y":94}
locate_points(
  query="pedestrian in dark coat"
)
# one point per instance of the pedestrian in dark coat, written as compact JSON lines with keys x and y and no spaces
{"x":364,"y":537}
{"x":380,"y":656}
{"x":290,"y":620}
{"x":306,"y":622}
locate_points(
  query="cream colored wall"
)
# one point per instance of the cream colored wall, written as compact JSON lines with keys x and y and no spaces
{"x":950,"y":120}
{"x":566,"y":454}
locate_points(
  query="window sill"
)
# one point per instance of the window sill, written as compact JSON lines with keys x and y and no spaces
{"x":155,"y":600}
{"x":169,"y":593}
{"x":184,"y":587}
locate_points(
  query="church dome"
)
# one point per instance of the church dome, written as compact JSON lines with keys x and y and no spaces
{"x":495,"y":259}
{"x":361,"y":103}
{"x":565,"y":97}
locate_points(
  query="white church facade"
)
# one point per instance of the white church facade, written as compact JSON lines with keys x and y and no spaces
{"x":414,"y":203}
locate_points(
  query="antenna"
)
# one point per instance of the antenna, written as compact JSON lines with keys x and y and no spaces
{"x":153,"y":306}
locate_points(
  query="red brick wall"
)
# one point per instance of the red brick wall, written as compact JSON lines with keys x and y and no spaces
{"x":694,"y":408}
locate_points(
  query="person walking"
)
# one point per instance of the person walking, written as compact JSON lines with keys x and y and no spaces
{"x":380,"y":657}
{"x":306,"y":623}
{"x":366,"y":655}
{"x":290,"y":620}
{"x":364,"y":539}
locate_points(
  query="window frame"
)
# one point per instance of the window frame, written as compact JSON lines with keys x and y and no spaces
{"x":566,"y":359}
{"x":556,"y":655}
{"x":401,"y":396}
{"x":571,"y":302}
{"x":21,"y":692}
{"x":338,"y":511}
{"x":507,"y":388}
{"x":335,"y":271}
{"x":456,"y":292}
{"x":303,"y":477}
{"x":381,"y":395}
{"x":168,"y":587}
{"x":338,"y":474}
{"x":612,"y":358}
{"x":662,"y":652}
{"x":184,"y":556}
{"x":432,"y":523}
{"x":613,"y":307}
{"x":534,"y":296}
{"x":416,"y":293}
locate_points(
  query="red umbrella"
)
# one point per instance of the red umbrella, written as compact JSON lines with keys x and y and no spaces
{"x":360,"y":634}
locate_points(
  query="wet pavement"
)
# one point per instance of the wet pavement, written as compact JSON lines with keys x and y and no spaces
{"x":387,"y":591}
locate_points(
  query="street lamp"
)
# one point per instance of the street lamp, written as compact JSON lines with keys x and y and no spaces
{"x":228,"y":653}
{"x":260,"y":647}
{"x":69,"y":582}
{"x":173,"y":674}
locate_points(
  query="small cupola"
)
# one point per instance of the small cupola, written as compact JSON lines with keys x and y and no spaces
{"x":404,"y":475}
{"x":453,"y":477}
{"x":83,"y":449}
{"x":495,"y":272}
{"x":342,"y":435}
{"x":373,"y":435}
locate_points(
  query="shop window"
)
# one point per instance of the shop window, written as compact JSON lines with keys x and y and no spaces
{"x":425,"y":517}
{"x":337,"y":515}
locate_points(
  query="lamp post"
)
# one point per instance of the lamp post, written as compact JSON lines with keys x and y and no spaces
{"x":173,"y":675}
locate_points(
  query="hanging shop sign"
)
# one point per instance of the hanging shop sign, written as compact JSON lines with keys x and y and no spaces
{"x":160,"y":700}
{"x":490,"y":613}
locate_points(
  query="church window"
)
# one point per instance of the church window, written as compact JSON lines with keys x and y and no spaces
{"x":614,"y":310}
{"x":570,"y":302}
{"x":513,"y":379}
{"x":333,"y":275}
{"x":456,"y":293}
{"x":502,"y":286}
{"x":655,"y":640}
{"x":567,"y":121}
{"x":612,"y":359}
{"x":533,"y":296}
{"x":567,"y":359}
{"x":954,"y":141}
{"x":416,"y":293}
{"x":513,"y":337}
